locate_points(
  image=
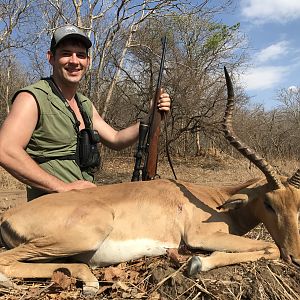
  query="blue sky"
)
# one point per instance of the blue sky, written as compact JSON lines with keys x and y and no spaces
{"x":273,"y":31}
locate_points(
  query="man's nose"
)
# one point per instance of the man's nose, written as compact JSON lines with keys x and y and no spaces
{"x":74,"y":58}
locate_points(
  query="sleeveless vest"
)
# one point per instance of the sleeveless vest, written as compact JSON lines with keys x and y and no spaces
{"x":55,"y":135}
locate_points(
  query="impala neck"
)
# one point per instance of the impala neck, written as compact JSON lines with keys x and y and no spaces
{"x":245,"y":220}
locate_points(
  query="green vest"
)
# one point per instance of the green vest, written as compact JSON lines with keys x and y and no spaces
{"x":55,"y":135}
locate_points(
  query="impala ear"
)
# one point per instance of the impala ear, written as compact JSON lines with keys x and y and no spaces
{"x":234,"y":202}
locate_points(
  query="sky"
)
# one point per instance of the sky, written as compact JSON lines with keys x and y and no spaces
{"x":273,"y":31}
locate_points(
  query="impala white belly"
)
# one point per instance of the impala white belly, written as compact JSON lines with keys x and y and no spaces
{"x":113,"y":252}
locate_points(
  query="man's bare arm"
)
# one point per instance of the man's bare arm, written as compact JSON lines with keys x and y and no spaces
{"x":119,"y":140}
{"x":15,"y":134}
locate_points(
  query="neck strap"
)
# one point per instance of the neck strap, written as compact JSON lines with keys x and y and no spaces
{"x":55,"y":89}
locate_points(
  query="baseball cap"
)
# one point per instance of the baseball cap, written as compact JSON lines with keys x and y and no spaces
{"x":66,"y":32}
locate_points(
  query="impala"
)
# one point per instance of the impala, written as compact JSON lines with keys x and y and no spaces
{"x":120,"y":222}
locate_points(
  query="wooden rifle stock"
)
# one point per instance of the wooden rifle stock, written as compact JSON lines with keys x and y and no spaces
{"x":150,"y":168}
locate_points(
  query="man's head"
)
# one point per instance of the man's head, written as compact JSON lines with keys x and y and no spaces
{"x":69,"y":32}
{"x":68,"y":55}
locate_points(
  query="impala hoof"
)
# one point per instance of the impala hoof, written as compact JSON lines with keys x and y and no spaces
{"x":89,"y":290}
{"x":6,"y":282}
{"x":194,"y":266}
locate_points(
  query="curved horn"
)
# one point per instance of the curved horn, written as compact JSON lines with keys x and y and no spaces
{"x":258,"y":161}
{"x":295,"y":180}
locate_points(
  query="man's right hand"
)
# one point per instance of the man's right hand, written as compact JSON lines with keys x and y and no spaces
{"x":77,"y":185}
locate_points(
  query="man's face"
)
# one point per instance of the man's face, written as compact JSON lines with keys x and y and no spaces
{"x":70,"y":62}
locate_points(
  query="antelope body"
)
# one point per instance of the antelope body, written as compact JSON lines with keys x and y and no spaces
{"x":114,"y":223}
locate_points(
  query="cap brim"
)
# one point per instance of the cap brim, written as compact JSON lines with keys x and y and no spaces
{"x":76,"y":36}
{"x":83,"y":39}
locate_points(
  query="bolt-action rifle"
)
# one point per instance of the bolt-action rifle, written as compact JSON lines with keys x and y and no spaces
{"x":149,"y":132}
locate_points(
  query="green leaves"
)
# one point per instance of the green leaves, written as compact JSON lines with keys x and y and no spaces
{"x":220,"y":34}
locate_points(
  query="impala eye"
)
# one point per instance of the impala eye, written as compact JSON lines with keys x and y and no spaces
{"x":268,"y":206}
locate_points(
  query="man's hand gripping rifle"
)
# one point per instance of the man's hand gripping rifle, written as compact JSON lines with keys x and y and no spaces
{"x":149,"y":134}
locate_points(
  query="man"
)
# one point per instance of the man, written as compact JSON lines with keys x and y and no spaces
{"x":41,"y":130}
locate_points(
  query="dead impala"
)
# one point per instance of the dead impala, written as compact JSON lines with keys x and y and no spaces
{"x":120,"y":222}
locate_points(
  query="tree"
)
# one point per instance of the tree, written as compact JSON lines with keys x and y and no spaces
{"x":126,"y":53}
{"x":198,"y":49}
{"x":289,"y":115}
{"x":14,"y":14}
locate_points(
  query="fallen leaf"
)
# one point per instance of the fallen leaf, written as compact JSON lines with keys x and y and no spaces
{"x":122,"y":285}
{"x":133,"y":276}
{"x":111,"y":273}
{"x":103,"y":289}
{"x":175,"y":257}
{"x":61,"y":278}
{"x":154,"y":296}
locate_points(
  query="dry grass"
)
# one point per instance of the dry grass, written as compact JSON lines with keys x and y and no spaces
{"x":160,"y":278}
{"x":8,"y":182}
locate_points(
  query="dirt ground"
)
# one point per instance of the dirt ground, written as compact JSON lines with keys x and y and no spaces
{"x":161,"y":277}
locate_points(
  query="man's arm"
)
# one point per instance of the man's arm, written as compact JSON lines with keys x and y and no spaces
{"x":119,"y":140}
{"x":15,"y":134}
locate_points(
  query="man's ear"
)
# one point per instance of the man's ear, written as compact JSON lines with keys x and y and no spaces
{"x":50,"y":57}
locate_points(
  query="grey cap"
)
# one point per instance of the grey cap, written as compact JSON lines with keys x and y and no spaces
{"x":67,"y":32}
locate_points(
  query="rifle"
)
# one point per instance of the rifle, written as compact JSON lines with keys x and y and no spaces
{"x":143,"y":131}
{"x":151,"y":131}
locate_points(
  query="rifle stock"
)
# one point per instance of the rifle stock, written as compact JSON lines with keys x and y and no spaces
{"x":150,"y":168}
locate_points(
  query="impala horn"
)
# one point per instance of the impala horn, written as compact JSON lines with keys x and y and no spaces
{"x":295,"y":180}
{"x":258,"y":161}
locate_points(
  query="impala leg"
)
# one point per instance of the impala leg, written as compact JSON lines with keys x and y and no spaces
{"x":240,"y":249}
{"x":45,"y":270}
{"x":11,"y":265}
{"x":83,"y":235}
{"x":220,"y":259}
{"x":17,"y":262}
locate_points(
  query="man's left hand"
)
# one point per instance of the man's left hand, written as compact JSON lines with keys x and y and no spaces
{"x":164,"y":102}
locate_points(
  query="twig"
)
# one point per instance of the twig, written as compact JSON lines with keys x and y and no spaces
{"x":196,"y":297}
{"x":46,"y":287}
{"x":169,"y":276}
{"x":284,"y":285}
{"x":202,"y":288}
{"x":191,"y":287}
